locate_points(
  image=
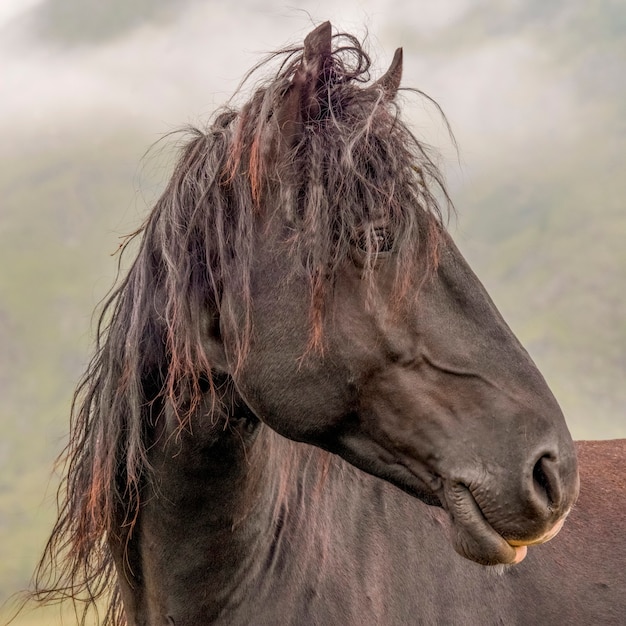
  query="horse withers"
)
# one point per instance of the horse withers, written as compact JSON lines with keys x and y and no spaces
{"x":298,"y":362}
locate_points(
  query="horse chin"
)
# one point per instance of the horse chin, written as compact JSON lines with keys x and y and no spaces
{"x":472,"y":535}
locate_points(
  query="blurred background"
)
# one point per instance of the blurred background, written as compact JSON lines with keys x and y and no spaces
{"x":535,"y":92}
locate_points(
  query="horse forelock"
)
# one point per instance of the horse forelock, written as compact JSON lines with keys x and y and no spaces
{"x":350,"y":162}
{"x":355,"y":162}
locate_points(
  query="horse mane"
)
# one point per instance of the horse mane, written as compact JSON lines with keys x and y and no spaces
{"x":354,"y":161}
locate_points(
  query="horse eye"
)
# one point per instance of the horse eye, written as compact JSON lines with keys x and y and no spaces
{"x":378,"y":242}
{"x":383,"y":240}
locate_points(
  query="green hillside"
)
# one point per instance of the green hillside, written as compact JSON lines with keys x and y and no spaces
{"x":64,"y":208}
{"x":548,"y":241}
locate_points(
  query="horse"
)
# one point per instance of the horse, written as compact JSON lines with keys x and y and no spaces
{"x":304,"y":408}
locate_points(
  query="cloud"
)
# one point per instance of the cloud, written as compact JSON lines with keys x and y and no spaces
{"x":486,"y":63}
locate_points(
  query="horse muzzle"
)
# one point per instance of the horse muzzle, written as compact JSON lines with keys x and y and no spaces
{"x":492,"y":533}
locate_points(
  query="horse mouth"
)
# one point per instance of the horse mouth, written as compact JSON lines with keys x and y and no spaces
{"x":475,"y":538}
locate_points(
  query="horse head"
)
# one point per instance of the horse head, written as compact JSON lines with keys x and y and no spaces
{"x":357,"y":326}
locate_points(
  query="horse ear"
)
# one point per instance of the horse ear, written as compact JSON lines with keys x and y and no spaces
{"x":301,"y":102}
{"x":389,"y":82}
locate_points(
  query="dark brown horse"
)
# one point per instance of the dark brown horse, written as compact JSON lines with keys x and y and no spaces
{"x":299,"y":362}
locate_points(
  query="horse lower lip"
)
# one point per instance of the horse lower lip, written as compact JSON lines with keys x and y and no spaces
{"x":553,"y":532}
{"x":472,"y":535}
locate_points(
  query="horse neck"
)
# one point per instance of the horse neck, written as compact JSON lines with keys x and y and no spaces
{"x":209,"y":517}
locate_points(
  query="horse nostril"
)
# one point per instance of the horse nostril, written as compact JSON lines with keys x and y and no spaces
{"x":547,"y":482}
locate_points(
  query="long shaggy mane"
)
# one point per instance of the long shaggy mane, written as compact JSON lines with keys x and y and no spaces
{"x":352,"y":163}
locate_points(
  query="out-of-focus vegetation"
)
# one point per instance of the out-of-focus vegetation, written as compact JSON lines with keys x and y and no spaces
{"x":64,"y":208}
{"x":549,"y":245}
{"x":543,"y":224}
